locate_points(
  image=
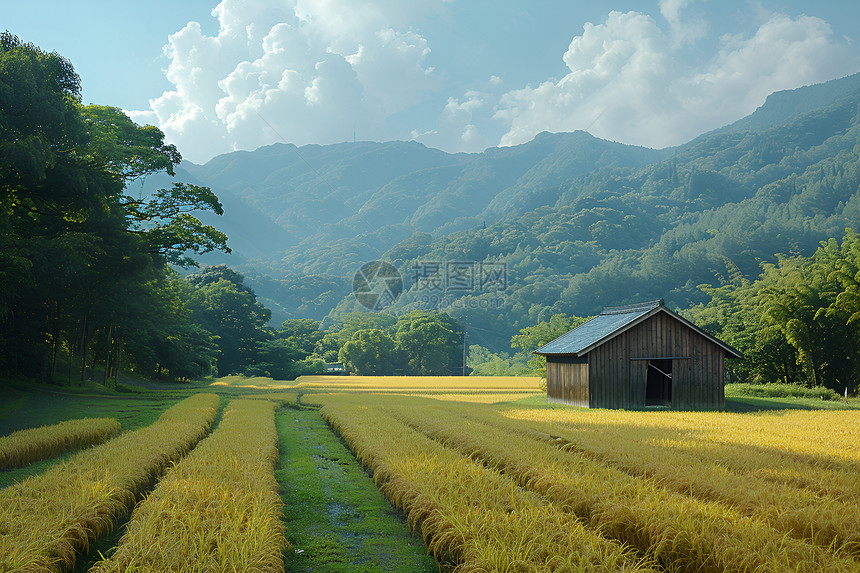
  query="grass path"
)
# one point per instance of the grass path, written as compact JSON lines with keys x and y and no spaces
{"x":336,"y":519}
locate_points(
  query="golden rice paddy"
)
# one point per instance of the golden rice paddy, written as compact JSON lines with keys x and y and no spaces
{"x":491,"y":481}
{"x":24,"y":447}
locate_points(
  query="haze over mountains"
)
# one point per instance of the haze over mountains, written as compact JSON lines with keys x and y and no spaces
{"x":382,"y":193}
{"x":579,"y":222}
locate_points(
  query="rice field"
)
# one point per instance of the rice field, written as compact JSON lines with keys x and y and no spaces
{"x":680,"y":491}
{"x":216,"y":510}
{"x":47,"y":520}
{"x":24,"y":447}
{"x":472,"y":516}
{"x":426,"y":384}
{"x":489,"y":475}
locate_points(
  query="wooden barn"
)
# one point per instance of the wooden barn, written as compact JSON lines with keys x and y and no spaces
{"x":635,"y":357}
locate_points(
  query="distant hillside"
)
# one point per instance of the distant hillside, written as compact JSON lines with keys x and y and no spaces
{"x":366,"y":197}
{"x":578,"y":222}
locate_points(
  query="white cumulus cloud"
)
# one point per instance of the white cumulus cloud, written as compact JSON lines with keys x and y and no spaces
{"x":628,"y":81}
{"x":317,"y":71}
{"x":305,"y":71}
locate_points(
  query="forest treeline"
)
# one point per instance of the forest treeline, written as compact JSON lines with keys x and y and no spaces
{"x":797,"y":323}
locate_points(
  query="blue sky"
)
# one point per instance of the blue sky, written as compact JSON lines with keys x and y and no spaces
{"x":460,"y":75}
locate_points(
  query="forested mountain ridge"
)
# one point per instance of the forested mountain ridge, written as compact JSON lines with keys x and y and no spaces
{"x":366,"y":197}
{"x":580,"y":222}
{"x":780,"y":105}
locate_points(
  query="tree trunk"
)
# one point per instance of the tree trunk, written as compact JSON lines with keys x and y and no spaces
{"x":84,"y":345}
{"x":107,"y":355}
{"x":56,"y":345}
{"x":70,"y":364}
{"x":118,"y":357}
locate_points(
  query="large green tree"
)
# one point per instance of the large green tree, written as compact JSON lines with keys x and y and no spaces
{"x":77,"y":255}
{"x":533,"y":337}
{"x":369,"y":353}
{"x":229,"y":309}
{"x":431,"y":341}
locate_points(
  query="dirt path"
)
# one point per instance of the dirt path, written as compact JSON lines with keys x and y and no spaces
{"x":336,"y":519}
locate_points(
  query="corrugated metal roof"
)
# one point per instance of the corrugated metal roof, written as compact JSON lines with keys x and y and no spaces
{"x":611,"y":320}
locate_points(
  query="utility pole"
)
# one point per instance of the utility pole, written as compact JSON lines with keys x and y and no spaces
{"x":465,"y":319}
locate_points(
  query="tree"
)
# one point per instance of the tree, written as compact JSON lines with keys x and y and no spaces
{"x":276,"y":358}
{"x":369,"y":352}
{"x":431,"y":341}
{"x":341,"y":331}
{"x":231,"y":312}
{"x":78,"y":258}
{"x":303,"y":333}
{"x":188,"y":352}
{"x":797,"y":322}
{"x":533,"y":337}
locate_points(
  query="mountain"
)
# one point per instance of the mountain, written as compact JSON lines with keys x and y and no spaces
{"x":366,"y":197}
{"x":577,"y":222}
{"x":781,"y":105}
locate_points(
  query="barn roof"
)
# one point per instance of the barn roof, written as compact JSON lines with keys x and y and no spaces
{"x":612,"y":322}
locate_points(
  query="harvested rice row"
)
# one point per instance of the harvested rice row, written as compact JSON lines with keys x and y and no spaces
{"x":47,"y":518}
{"x":216,"y":510}
{"x":788,"y":507}
{"x":24,"y":447}
{"x":680,"y":532}
{"x":465,"y":511}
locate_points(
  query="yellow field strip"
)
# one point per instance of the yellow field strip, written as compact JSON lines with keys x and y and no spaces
{"x":425,"y":383}
{"x":789,"y":448}
{"x":680,"y":532}
{"x":218,"y":509}
{"x":485,"y":397}
{"x":465,"y":511}
{"x":803,"y":513}
{"x":829,"y":435}
{"x":46,"y":519}
{"x":24,"y":447}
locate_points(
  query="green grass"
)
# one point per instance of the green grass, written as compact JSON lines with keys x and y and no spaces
{"x":752,"y":404}
{"x":778,"y":390}
{"x":337,"y":521}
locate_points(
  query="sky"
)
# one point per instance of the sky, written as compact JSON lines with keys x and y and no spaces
{"x":458,"y":75}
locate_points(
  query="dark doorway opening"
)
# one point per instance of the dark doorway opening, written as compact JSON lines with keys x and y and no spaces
{"x":658,"y":386}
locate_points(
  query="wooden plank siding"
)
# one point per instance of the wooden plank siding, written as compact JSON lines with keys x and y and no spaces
{"x":615,"y":375}
{"x":567,"y":381}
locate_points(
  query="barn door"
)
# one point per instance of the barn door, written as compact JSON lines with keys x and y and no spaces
{"x":658,"y":382}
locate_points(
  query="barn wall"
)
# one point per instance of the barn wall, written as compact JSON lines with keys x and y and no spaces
{"x":617,"y":380}
{"x":567,"y":381}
